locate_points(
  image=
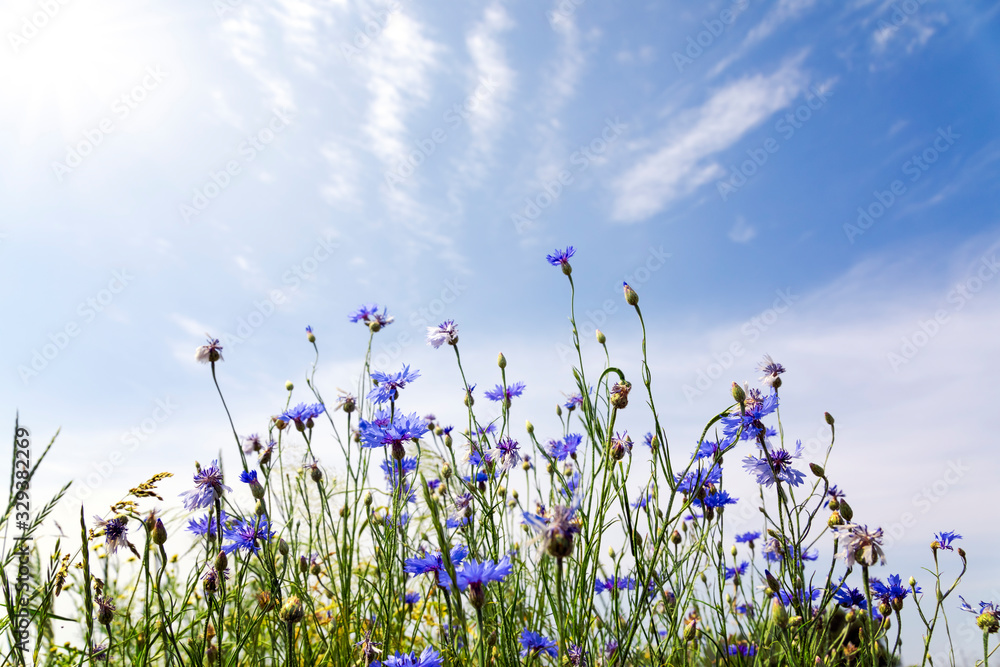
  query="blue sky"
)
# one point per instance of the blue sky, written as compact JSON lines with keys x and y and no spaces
{"x":814,"y":180}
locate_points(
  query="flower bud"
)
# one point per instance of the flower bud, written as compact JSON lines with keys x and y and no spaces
{"x":601,"y":338}
{"x":846,"y":511}
{"x":316,"y":474}
{"x":292,"y":610}
{"x":739,"y":395}
{"x":795,"y":621}
{"x":778,"y":613}
{"x":611,"y":553}
{"x":303,"y":564}
{"x":445,"y":471}
{"x":159,"y":533}
{"x":733,"y":551}
{"x":448,"y":440}
{"x":776,"y":383}
{"x":772,"y":583}
{"x":289,"y":386}
{"x":259,"y":508}
{"x":828,"y":417}
{"x":283,"y":547}
{"x":631,"y":298}
{"x":368,"y":499}
{"x":529,"y":427}
{"x":988,"y":623}
{"x":501,"y":361}
{"x":675,"y":537}
{"x":835,"y":520}
{"x":558,"y":410}
{"x":885,"y":609}
{"x":817,"y":470}
{"x":374,"y":326}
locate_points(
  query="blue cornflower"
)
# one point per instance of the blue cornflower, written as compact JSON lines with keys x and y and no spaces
{"x":740,"y":569}
{"x":392,"y":468}
{"x":771,"y":370}
{"x":475,"y":575}
{"x":708,"y":448}
{"x":206,"y":525}
{"x":696,"y":480}
{"x":745,"y":650}
{"x":434,"y":563}
{"x":643,"y":500}
{"x":557,"y":527}
{"x":560,"y":449}
{"x":755,"y":409}
{"x":620,"y":445}
{"x":250,"y":477}
{"x":506,"y":454}
{"x":369,"y":313}
{"x":115,"y":532}
{"x":457,"y":521}
{"x":410,"y":597}
{"x":572,"y":484}
{"x":851,"y":597}
{"x":748,"y":538}
{"x":716,"y":499}
{"x":535,"y":644}
{"x":380,"y":432}
{"x":302,"y":415}
{"x":775,"y":551}
{"x":208,"y":488}
{"x":988,"y":616}
{"x":388,"y":385}
{"x":247,"y":534}
{"x":944,"y":540}
{"x":498,"y":394}
{"x":429,"y":658}
{"x":894,"y":593}
{"x":614,"y":584}
{"x":800,"y":595}
{"x":648,"y":440}
{"x":561,"y":257}
{"x":778,"y":468}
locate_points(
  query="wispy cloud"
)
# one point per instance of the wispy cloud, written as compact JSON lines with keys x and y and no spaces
{"x":683,"y":161}
{"x":742,"y":231}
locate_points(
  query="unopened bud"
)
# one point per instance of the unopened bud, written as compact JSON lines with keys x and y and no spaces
{"x":159,"y":534}
{"x":601,"y":338}
{"x":289,"y":386}
{"x":221,"y":561}
{"x":445,"y":471}
{"x":631,"y":298}
{"x":303,"y":564}
{"x":835,"y":520}
{"x":259,"y":508}
{"x":846,"y":511}
{"x":501,"y":361}
{"x":828,"y":417}
{"x":817,"y":470}
{"x":611,"y":553}
{"x":368,"y":499}
{"x":292,"y":610}
{"x":283,"y":547}
{"x":558,"y":410}
{"x":529,"y":427}
{"x":733,"y":551}
{"x":779,"y":614}
{"x":739,"y":395}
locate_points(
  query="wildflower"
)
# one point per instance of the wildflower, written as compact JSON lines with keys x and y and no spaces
{"x":716,"y":499}
{"x":369,"y":314}
{"x":850,"y":597}
{"x":708,"y":449}
{"x":368,"y":650}
{"x":611,"y":647}
{"x":446,"y":332}
{"x":310,"y":336}
{"x":892,"y":594}
{"x":619,"y":394}
{"x":434,"y":563}
{"x":557,"y":528}
{"x":747,"y":423}
{"x":210,"y":580}
{"x":648,"y":440}
{"x":250,"y":477}
{"x":561,"y":258}
{"x":302,"y":414}
{"x":944,"y":540}
{"x":745,"y":650}
{"x":251,"y":443}
{"x":505,"y":454}
{"x":115,"y":532}
{"x":560,"y":449}
{"x":535,"y":644}
{"x":498,"y":393}
{"x":695,"y":481}
{"x":388,"y":386}
{"x":346,"y":402}
{"x":643,"y":499}
{"x":209,"y":353}
{"x":99,"y":652}
{"x":799,"y":595}
{"x":614,"y":584}
{"x":206,"y":525}
{"x":410,"y":598}
{"x":429,"y":658}
{"x":105,"y":609}
{"x":988,"y":618}
{"x":748,"y":538}
{"x":474,"y":576}
{"x":247,"y":534}
{"x":631,"y":298}
{"x":264,"y":458}
{"x":380,"y":432}
{"x":860,"y":545}
{"x":621,"y":445}
{"x":770,"y":369}
{"x":740,"y":569}
{"x":575,"y":655}
{"x":778,"y":468}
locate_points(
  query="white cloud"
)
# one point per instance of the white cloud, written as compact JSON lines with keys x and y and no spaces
{"x":742,"y":232}
{"x":682,"y":163}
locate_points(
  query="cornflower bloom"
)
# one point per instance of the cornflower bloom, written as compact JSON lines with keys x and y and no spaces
{"x":619,"y":394}
{"x":716,"y":499}
{"x":892,"y":594}
{"x":770,"y":369}
{"x":573,"y":402}
{"x":643,"y":500}
{"x":302,"y":415}
{"x":505,"y":454}
{"x":707,"y":449}
{"x":380,"y":432}
{"x":860,"y":545}
{"x":446,"y":332}
{"x":621,"y":445}
{"x":429,"y":658}
{"x":748,"y":538}
{"x":557,"y":527}
{"x":988,"y":616}
{"x":208,"y":488}
{"x":247,"y":534}
{"x":206,"y":525}
{"x":533,"y":644}
{"x":434,"y":563}
{"x":745,"y":650}
{"x":252,"y":443}
{"x":475,"y":575}
{"x":369,"y":313}
{"x":105,"y":609}
{"x":748,"y":422}
{"x":850,"y":597}
{"x":778,"y":468}
{"x":944,"y":540}
{"x":614,"y":584}
{"x":648,"y":440}
{"x":388,"y":385}
{"x":498,"y":393}
{"x":209,"y":353}
{"x":115,"y":532}
{"x":561,"y":257}
{"x":740,"y":569}
{"x":696,"y":481}
{"x":560,"y":449}
{"x":250,"y":477}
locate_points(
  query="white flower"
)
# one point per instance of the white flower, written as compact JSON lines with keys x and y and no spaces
{"x":446,"y":332}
